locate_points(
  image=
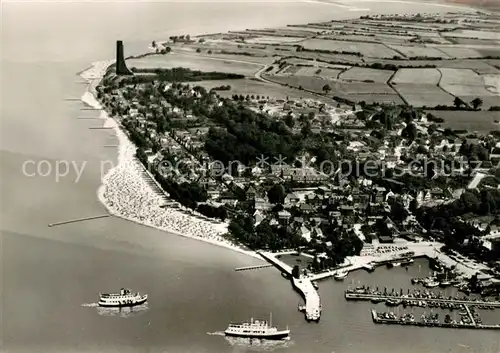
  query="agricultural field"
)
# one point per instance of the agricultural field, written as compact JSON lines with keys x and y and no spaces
{"x":459,"y":52}
{"x":466,"y":84}
{"x":465,"y":33}
{"x":366,"y":74}
{"x":424,"y":95}
{"x":418,"y":51}
{"x":492,"y":83}
{"x":416,"y":76}
{"x":376,"y":50}
{"x":194,"y":62}
{"x":480,"y":121}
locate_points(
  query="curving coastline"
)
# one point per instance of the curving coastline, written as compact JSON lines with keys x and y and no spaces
{"x":126,"y":193}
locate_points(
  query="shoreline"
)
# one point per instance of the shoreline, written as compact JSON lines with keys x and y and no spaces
{"x":125,"y":183}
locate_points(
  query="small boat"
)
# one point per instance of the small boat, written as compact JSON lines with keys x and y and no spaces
{"x":377,"y":300}
{"x":444,"y":284}
{"x":430,"y":283}
{"x":369,"y":267}
{"x":256,"y":329}
{"x":123,"y":299}
{"x":315,"y":285}
{"x":396,"y":264}
{"x":392,"y":302}
{"x":341,"y":275}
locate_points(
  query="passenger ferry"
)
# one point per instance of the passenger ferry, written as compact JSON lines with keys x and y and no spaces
{"x":256,"y":329}
{"x":124,"y":298}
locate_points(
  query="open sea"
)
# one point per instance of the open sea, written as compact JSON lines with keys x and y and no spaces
{"x":50,"y":277}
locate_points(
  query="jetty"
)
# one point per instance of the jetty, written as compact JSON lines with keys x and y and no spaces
{"x":390,"y":318}
{"x":353,"y":295}
{"x":78,"y":220}
{"x":303,"y":285}
{"x":255,"y":267}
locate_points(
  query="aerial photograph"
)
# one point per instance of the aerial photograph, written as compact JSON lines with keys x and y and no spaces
{"x":240,"y":176}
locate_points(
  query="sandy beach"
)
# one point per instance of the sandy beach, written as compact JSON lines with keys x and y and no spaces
{"x":126,"y":193}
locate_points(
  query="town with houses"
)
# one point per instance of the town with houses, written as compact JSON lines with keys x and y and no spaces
{"x":346,"y":184}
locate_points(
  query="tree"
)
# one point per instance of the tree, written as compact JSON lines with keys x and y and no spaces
{"x":476,"y":103}
{"x":276,"y":194}
{"x":327,"y":88}
{"x":289,"y":121}
{"x":457,"y":102}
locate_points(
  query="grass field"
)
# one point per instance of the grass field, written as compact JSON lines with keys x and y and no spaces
{"x":362,"y":74}
{"x":313,"y":83}
{"x":417,"y":76}
{"x":481,"y":121}
{"x":318,"y":71}
{"x":254,"y":87}
{"x":419,"y":51}
{"x":424,"y":95}
{"x":376,"y":50}
{"x":275,"y":40}
{"x":201,"y":63}
{"x":362,"y":88}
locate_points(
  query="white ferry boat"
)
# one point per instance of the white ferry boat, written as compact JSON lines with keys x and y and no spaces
{"x":256,"y":329}
{"x":124,"y":298}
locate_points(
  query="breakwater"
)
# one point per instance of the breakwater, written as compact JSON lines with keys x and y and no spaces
{"x":302,"y":285}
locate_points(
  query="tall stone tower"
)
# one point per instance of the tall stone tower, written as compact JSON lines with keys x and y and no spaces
{"x":121,"y":67}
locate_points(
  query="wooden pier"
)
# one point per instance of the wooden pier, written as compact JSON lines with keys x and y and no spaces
{"x":253,"y":267}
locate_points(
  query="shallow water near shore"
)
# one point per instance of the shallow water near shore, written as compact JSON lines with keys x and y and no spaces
{"x":50,"y":277}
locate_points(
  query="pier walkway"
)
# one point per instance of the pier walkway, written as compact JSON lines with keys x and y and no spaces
{"x":255,"y":267}
{"x":471,"y":317}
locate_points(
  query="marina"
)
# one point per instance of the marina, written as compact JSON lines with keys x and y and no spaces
{"x":416,"y":298}
{"x":426,"y":321}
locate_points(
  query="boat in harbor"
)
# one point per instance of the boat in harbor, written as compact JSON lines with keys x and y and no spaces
{"x":315,"y":285}
{"x":377,"y":300}
{"x":256,"y":329}
{"x":123,"y":299}
{"x":430,"y":283}
{"x":341,"y":275}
